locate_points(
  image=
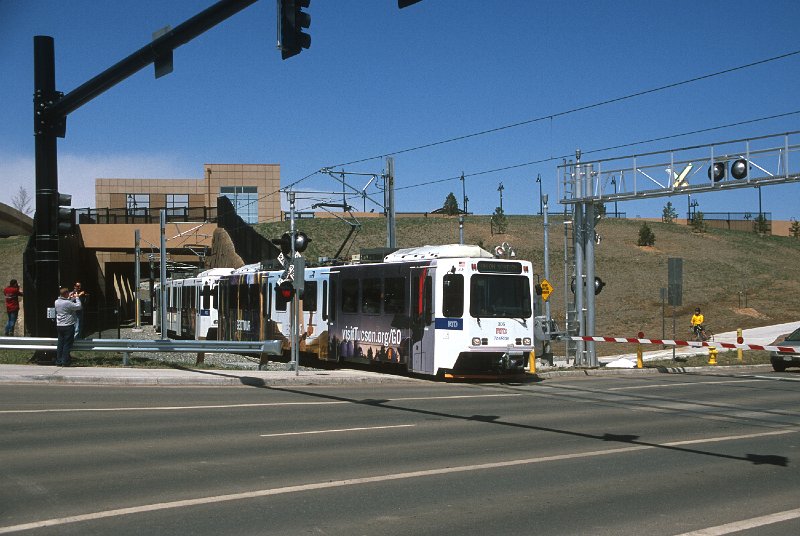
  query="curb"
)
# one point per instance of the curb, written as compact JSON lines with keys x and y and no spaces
{"x":719,"y":370}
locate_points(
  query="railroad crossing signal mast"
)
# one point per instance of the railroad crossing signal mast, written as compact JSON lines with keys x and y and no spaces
{"x":742,"y":163}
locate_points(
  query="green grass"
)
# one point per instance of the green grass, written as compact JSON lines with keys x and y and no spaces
{"x":721,"y":269}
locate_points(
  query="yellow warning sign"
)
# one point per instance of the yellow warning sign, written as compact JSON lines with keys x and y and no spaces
{"x":547,"y":289}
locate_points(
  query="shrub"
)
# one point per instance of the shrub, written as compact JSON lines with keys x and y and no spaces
{"x":646,"y":236}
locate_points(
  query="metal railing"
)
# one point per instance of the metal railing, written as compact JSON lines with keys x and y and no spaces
{"x":127,"y":346}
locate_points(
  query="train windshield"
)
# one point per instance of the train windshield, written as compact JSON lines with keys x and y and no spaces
{"x":500,"y":296}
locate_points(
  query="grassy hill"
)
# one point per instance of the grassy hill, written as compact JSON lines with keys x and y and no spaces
{"x":738,"y":279}
{"x":720,"y":268}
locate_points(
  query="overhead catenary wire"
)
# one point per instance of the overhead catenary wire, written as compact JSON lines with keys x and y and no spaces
{"x":573,"y":110}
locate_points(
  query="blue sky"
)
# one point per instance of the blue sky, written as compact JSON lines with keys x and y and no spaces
{"x":378,"y":80}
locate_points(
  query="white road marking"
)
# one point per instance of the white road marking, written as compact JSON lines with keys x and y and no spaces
{"x":259,"y":405}
{"x":216,"y":499}
{"x":746,"y":524}
{"x":680,"y":384}
{"x":360,"y":429}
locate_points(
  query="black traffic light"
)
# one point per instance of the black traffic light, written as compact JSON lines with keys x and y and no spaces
{"x":293,"y":20}
{"x":66,"y":215}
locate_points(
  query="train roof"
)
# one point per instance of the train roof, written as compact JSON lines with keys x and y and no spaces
{"x":446,"y":251}
{"x":215,"y":272}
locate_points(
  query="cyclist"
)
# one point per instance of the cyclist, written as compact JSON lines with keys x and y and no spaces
{"x":697,"y":324}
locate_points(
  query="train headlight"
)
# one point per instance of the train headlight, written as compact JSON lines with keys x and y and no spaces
{"x":526,"y":341}
{"x":476,"y":341}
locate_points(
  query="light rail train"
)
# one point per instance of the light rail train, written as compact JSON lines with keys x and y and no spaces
{"x":436,"y":310}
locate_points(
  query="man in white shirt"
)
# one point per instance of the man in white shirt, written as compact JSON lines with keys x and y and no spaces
{"x":66,"y":317}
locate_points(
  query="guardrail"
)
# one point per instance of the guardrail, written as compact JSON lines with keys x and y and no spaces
{"x":127,"y":346}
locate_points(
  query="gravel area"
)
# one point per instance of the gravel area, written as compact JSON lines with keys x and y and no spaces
{"x":225,"y":361}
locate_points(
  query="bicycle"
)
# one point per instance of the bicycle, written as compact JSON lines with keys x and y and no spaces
{"x":702,"y":334}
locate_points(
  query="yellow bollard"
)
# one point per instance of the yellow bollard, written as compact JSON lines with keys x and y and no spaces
{"x":712,"y":355}
{"x":639,"y":362}
{"x":532,"y":362}
{"x":740,"y":340}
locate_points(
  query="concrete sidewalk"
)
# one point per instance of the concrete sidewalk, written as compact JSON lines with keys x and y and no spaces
{"x":187,"y":376}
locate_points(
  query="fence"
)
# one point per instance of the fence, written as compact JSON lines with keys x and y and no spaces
{"x":128,"y":346}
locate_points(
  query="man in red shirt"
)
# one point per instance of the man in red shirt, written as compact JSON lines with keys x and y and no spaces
{"x":13,"y":294}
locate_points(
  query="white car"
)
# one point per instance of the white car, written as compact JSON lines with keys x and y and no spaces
{"x":782,"y":360}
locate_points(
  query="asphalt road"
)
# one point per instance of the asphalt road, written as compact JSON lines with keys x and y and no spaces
{"x":657,"y":455}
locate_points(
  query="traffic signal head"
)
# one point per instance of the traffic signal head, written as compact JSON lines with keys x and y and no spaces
{"x":66,"y":217}
{"x":293,"y":20}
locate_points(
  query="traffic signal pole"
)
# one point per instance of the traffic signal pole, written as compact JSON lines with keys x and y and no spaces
{"x":45,"y":226}
{"x":51,"y":108}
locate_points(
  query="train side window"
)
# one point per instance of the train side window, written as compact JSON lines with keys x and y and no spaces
{"x":371,"y":296}
{"x":350,"y":295}
{"x":265,"y":297}
{"x":325,"y":300}
{"x":453,"y":295}
{"x":394,"y":295}
{"x":428,"y":310}
{"x":310,"y":296}
{"x":254,"y":291}
{"x":206,"y":294}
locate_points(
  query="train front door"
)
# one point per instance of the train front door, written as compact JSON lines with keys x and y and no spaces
{"x":422,"y":326}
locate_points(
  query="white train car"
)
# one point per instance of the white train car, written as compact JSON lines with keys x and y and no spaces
{"x":192,"y":305}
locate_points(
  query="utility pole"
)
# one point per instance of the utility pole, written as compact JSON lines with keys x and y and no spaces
{"x":137,"y":253}
{"x":391,"y":241}
{"x":500,"y":189}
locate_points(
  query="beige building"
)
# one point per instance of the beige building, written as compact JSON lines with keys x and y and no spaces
{"x":252,"y":188}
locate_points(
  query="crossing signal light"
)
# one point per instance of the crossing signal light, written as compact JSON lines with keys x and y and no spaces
{"x":293,"y":21}
{"x":716,"y":172}
{"x":66,"y":215}
{"x":739,"y":169}
{"x":301,"y":241}
{"x":598,"y":285}
{"x":285,"y":291}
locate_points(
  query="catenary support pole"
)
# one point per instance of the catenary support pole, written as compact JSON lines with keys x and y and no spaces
{"x":163,"y":275}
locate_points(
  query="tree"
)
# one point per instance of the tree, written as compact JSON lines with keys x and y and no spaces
{"x":646,"y":235}
{"x":499,"y":221}
{"x":697,"y":223}
{"x":22,"y":201}
{"x":761,"y":225}
{"x":450,"y":205}
{"x":794,"y":228}
{"x":669,"y":214}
